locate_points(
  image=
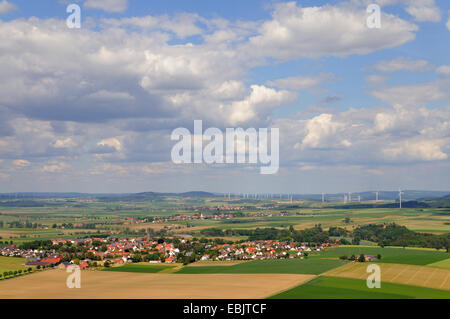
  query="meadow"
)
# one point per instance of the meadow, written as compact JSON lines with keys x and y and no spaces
{"x":141,"y":268}
{"x":276,"y":266}
{"x":397,"y":255}
{"x":12,"y":263}
{"x":325,"y":287}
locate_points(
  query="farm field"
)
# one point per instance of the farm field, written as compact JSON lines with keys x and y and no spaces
{"x":311,"y":265}
{"x":441,"y":264}
{"x":324,"y":287}
{"x":397,"y":255}
{"x":422,"y":276}
{"x":141,"y":268}
{"x":102,"y":284}
{"x":11,"y":263}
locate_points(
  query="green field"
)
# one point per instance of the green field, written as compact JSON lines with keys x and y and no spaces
{"x":396,"y":255}
{"x":139,"y":268}
{"x":441,"y":264}
{"x":312,"y":266}
{"x":344,"y":288}
{"x":11,"y":263}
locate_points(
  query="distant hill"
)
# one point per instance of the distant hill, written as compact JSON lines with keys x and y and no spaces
{"x":443,"y":202}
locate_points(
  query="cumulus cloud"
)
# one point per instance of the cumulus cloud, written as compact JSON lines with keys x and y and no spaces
{"x":6,"y":7}
{"x":421,"y":10}
{"x":424,"y":10}
{"x":321,"y":132}
{"x":426,"y":150}
{"x":324,"y":31}
{"x":107,"y":5}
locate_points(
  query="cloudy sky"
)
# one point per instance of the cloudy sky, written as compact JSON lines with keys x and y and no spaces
{"x":92,"y":109}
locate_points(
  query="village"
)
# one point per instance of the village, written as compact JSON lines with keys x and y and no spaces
{"x":113,"y":251}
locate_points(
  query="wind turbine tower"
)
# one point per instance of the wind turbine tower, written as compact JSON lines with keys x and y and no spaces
{"x":400,"y":197}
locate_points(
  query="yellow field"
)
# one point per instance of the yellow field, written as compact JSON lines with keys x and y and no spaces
{"x":51,"y":284}
{"x":424,"y":276}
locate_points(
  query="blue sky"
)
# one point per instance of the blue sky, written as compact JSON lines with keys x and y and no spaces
{"x":92,"y":109}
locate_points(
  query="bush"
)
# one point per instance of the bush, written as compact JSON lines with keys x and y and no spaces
{"x":378,"y":256}
{"x":344,"y":257}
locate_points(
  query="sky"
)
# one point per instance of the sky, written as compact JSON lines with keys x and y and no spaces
{"x":92,"y":109}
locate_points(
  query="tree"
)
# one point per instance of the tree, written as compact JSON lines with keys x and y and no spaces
{"x":378,"y":256}
{"x":30,"y":269}
{"x":362,"y":258}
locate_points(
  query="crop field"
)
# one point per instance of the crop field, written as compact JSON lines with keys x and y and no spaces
{"x":423,"y":276}
{"x":311,"y":265}
{"x":397,"y":255}
{"x":441,"y":264}
{"x":324,"y":287}
{"x":140,"y":268}
{"x":11,"y":263}
{"x":103,"y":284}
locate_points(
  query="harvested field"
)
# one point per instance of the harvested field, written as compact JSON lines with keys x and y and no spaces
{"x":101,"y":284}
{"x":422,"y":276}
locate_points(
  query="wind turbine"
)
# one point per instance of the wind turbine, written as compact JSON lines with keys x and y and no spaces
{"x":376,"y":196}
{"x":400,"y":196}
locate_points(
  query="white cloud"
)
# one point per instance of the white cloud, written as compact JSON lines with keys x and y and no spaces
{"x":111,"y":142}
{"x":64,"y":143}
{"x":259,"y":103}
{"x":326,"y":31}
{"x":107,"y":5}
{"x":55,"y":167}
{"x":414,"y":94}
{"x":183,"y":25}
{"x":448,"y":21}
{"x":421,"y":10}
{"x":403,"y":64}
{"x":6,"y":7}
{"x":302,"y":82}
{"x":443,"y":70}
{"x":21,"y":163}
{"x":424,"y":10}
{"x":321,"y":132}
{"x":425,"y":150}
